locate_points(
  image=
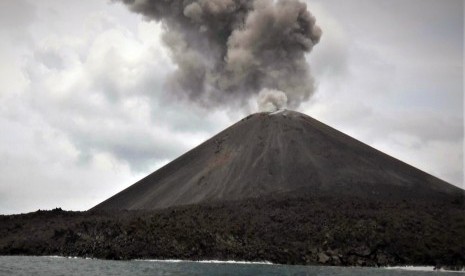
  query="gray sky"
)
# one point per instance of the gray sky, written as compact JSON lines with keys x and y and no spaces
{"x":83,"y":114}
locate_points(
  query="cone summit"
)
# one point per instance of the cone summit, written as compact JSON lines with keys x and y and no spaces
{"x":274,"y":154}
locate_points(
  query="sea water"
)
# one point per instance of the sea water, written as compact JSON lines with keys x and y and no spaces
{"x":24,"y":265}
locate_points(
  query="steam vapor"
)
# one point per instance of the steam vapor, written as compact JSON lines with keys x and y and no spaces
{"x":271,"y":100}
{"x":228,"y":50}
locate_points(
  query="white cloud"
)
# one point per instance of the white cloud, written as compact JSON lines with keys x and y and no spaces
{"x":86,"y":118}
{"x":399,"y":87}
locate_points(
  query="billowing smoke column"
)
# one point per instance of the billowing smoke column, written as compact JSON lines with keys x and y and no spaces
{"x":226,"y":51}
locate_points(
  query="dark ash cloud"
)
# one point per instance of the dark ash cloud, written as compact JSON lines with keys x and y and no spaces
{"x":226,"y":51}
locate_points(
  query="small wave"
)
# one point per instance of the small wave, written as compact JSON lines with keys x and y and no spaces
{"x":169,"y":260}
{"x":423,"y":268}
{"x":67,"y":257}
{"x":54,"y":256}
{"x":234,"y":262}
{"x":204,"y":261}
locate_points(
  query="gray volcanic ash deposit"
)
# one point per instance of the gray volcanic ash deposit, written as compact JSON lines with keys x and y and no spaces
{"x":280,"y":153}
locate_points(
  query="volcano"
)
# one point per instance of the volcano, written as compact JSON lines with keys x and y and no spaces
{"x":279,"y":153}
{"x":279,"y":187}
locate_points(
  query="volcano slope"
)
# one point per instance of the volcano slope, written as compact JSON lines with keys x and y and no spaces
{"x":284,"y":152}
{"x":279,"y":187}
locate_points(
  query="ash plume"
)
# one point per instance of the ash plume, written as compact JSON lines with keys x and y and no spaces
{"x":228,"y":50}
{"x":271,"y":100}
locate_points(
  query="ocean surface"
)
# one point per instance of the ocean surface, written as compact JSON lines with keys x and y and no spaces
{"x":22,"y":265}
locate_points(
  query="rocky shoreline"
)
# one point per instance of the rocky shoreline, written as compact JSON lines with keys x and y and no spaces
{"x":297,"y":230}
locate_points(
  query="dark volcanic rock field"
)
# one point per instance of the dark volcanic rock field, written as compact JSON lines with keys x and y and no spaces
{"x":283,"y":229}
